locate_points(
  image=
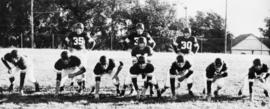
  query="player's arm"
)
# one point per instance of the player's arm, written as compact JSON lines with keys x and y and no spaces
{"x":151,"y":41}
{"x":5,"y":63}
{"x":175,"y":44}
{"x":77,"y":63}
{"x":91,"y":42}
{"x":195,"y":45}
{"x":121,"y":64}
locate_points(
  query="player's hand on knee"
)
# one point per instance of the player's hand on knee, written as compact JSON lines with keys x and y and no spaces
{"x":181,"y":78}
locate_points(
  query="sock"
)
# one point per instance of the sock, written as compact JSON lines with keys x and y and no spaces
{"x":208,"y":86}
{"x":172,"y":81}
{"x":22,"y":78}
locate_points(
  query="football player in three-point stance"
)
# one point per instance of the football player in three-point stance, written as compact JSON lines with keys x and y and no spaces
{"x":105,"y":67}
{"x":184,"y":46}
{"x":215,"y":73}
{"x":69,"y":68}
{"x":257,"y":75}
{"x":15,"y":62}
{"x":180,"y":71}
{"x":145,"y":52}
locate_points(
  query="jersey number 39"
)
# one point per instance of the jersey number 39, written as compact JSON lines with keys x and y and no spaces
{"x":78,"y":40}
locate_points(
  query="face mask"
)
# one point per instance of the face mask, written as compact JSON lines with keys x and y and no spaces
{"x":180,"y":64}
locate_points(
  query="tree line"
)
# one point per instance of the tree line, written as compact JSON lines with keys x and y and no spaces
{"x":107,"y":21}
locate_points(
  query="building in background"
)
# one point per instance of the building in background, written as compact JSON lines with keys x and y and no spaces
{"x":249,"y":44}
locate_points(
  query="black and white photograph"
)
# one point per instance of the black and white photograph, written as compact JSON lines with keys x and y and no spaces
{"x":134,"y":54}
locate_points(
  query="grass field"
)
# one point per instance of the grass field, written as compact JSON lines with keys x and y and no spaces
{"x":44,"y":60}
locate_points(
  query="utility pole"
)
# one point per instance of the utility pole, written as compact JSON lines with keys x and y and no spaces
{"x":225,"y":41}
{"x":186,"y":16}
{"x":32,"y":23}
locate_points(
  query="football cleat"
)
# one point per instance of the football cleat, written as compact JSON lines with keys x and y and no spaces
{"x":190,"y":93}
{"x":240,"y":93}
{"x":216,"y":93}
{"x":37,"y":87}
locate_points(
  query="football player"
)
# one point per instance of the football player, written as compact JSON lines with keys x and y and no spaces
{"x":23,"y":64}
{"x":103,"y":67}
{"x":180,"y":71}
{"x":69,"y":67}
{"x":146,"y":71}
{"x":186,"y":44}
{"x":78,"y":39}
{"x":215,"y":73}
{"x":77,"y":43}
{"x":140,"y":50}
{"x":132,"y":39}
{"x":257,"y":75}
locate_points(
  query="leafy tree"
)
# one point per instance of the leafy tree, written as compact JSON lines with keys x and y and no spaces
{"x":209,"y":27}
{"x":266,"y":31}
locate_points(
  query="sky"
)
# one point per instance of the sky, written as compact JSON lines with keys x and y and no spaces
{"x":244,"y":16}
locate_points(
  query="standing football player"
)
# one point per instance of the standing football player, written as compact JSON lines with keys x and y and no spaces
{"x":69,"y":67}
{"x":132,"y":39}
{"x":185,"y":44}
{"x":103,"y":67}
{"x":180,"y":71}
{"x":215,"y":73}
{"x":23,"y":64}
{"x":257,"y":75}
{"x":78,"y":41}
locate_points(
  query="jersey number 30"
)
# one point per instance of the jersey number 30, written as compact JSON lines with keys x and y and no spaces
{"x":78,"y":40}
{"x":186,"y":45}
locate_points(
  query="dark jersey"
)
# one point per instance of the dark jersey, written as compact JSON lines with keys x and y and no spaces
{"x":176,"y":68}
{"x":21,"y":63}
{"x":186,"y":45}
{"x":211,"y":70}
{"x":101,"y":69}
{"x":73,"y":61}
{"x":134,"y":37}
{"x":78,"y":41}
{"x":137,"y":51}
{"x":253,"y":71}
{"x":136,"y":69}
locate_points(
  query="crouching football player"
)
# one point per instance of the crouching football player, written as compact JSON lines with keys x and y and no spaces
{"x":258,"y":75}
{"x":146,"y":71}
{"x":69,"y":67}
{"x":215,"y":73}
{"x":16,"y":62}
{"x":180,"y":71}
{"x":103,"y":67}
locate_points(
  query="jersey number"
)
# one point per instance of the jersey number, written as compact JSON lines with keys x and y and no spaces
{"x":136,"y":40}
{"x":78,"y":40}
{"x":186,"y":45}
